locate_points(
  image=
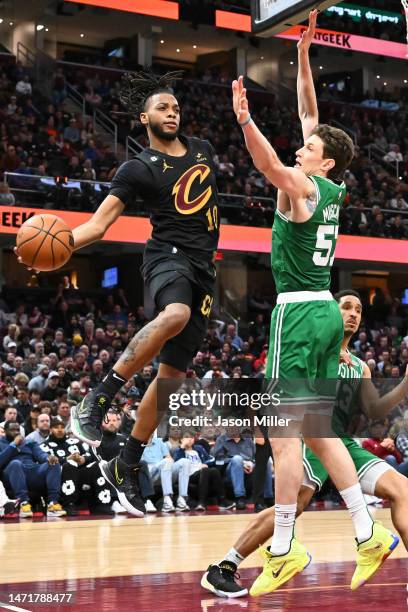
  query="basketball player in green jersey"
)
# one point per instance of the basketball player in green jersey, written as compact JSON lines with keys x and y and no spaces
{"x":306,"y":326}
{"x":375,"y":475}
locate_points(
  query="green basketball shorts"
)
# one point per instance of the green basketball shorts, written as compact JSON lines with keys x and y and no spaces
{"x":369,"y":467}
{"x":304,"y":347}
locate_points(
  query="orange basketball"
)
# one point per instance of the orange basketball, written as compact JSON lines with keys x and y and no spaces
{"x":45,"y":242}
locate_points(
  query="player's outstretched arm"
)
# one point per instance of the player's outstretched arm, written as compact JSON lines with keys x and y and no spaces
{"x":290,"y":180}
{"x":95,"y":229}
{"x":376,"y":407}
{"x":307,"y":102}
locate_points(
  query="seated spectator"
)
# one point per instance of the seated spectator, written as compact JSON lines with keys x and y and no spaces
{"x":64,"y":412}
{"x":173,"y":441}
{"x":50,"y":393}
{"x":384,"y":447}
{"x":163,"y":468}
{"x":71,"y":132}
{"x":30,"y":424}
{"x":11,"y":415}
{"x":237,"y":454}
{"x":23,"y":404}
{"x":39,"y":381}
{"x":42,"y":431}
{"x":26,"y":467}
{"x":80,"y":471}
{"x":6,"y":197}
{"x":203,"y":473}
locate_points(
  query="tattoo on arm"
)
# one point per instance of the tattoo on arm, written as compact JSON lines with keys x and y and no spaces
{"x":311,"y":202}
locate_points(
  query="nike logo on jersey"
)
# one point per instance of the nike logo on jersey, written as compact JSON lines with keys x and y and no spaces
{"x":277,"y":574}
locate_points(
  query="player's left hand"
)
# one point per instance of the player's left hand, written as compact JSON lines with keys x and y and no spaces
{"x":307,"y":36}
{"x":53,"y":460}
{"x":239,"y":100}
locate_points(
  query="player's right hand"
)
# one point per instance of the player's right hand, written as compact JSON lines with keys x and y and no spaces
{"x":239,"y":100}
{"x":307,"y":36}
{"x":20,"y":261}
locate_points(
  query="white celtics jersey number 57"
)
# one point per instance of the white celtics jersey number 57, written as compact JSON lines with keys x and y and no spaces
{"x":325,"y":245}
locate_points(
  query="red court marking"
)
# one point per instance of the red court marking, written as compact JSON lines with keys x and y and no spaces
{"x":323,"y":585}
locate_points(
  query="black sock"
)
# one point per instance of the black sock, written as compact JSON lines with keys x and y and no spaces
{"x":133,"y":451}
{"x":111,"y":384}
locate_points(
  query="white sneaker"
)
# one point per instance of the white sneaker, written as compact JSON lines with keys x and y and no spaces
{"x":118,"y":508}
{"x":182,"y":505}
{"x":168,"y":505}
{"x":149,"y":506}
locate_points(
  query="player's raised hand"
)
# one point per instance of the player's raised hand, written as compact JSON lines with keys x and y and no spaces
{"x":307,"y":36}
{"x":239,"y":100}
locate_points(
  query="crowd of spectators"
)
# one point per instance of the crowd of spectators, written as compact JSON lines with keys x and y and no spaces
{"x":52,"y":355}
{"x":39,"y":136}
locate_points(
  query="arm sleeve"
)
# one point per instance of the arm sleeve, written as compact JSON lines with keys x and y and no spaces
{"x":130,"y":181}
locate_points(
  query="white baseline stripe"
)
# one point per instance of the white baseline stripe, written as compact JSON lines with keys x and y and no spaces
{"x":9,"y":607}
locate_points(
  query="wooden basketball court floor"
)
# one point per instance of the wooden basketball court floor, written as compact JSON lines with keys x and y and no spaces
{"x":155,"y":563}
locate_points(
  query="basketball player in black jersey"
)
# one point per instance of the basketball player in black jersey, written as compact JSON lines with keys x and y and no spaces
{"x":175,"y":178}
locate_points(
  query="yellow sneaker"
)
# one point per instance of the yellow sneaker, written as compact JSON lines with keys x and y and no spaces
{"x":279,"y":569}
{"x":55,"y":509}
{"x":25,"y":510}
{"x":372,"y":553}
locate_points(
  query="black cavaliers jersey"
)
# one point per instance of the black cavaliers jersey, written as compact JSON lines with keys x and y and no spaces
{"x":180,"y":194}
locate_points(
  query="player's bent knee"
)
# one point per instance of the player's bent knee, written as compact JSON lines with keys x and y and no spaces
{"x":174,"y":318}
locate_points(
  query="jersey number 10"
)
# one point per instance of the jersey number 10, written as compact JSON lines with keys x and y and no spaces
{"x":326,"y":243}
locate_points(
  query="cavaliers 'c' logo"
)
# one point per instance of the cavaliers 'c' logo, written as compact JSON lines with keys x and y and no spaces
{"x":181,"y":190}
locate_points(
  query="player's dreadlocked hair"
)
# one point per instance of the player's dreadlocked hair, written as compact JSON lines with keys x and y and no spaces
{"x":137,"y":87}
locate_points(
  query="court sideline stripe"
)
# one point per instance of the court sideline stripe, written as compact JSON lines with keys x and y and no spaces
{"x":14,"y":608}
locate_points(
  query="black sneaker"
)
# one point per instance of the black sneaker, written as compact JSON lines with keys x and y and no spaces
{"x":226,"y":504}
{"x":124,"y":478}
{"x":240,"y":504}
{"x":87,"y":416}
{"x":220,"y":579}
{"x":259,"y":507}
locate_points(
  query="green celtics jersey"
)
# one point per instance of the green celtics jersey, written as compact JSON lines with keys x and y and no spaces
{"x":347,"y":395}
{"x":303,"y":253}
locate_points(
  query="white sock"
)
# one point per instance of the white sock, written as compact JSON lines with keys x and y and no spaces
{"x":233,"y":556}
{"x":284,"y":525}
{"x":363,"y":523}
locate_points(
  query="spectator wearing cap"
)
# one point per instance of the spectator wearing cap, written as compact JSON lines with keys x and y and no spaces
{"x":50,"y":391}
{"x":11,"y":415}
{"x":39,"y":381}
{"x":26,"y":467}
{"x":30,"y":424}
{"x":41,"y":433}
